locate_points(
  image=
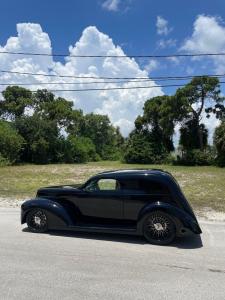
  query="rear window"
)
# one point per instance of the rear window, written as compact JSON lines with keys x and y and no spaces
{"x":144,"y":186}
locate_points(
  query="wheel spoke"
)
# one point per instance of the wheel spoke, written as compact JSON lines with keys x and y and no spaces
{"x":159,"y":227}
{"x":38,"y":220}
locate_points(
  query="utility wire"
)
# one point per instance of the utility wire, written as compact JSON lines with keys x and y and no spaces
{"x":77,"y":83}
{"x":112,"y":78}
{"x":116,"y":88}
{"x":113,"y":56}
{"x":104,"y":82}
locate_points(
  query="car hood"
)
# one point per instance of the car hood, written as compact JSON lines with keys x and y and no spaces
{"x":58,"y":190}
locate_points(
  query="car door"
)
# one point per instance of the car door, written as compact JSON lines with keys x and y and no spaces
{"x":101,"y":198}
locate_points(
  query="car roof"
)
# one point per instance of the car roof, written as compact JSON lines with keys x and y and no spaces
{"x":155,"y":174}
{"x":127,"y":172}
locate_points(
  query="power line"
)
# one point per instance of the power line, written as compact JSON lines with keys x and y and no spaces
{"x":106,"y":82}
{"x":78,"y":83}
{"x":113,"y":56}
{"x":116,"y":88}
{"x":111,"y":78}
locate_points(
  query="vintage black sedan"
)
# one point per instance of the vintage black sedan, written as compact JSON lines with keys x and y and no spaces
{"x":138,"y":202}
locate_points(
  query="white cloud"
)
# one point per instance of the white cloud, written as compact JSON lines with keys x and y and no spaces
{"x":208,"y":37}
{"x":166,"y":43}
{"x":122,"y":106}
{"x":152,"y":65}
{"x":162,"y":26}
{"x":111,"y":5}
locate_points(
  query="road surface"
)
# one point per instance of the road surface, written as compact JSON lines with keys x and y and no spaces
{"x":99,"y":266}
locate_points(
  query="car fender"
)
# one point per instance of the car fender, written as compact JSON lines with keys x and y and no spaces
{"x":55,"y":211}
{"x":181,"y":218}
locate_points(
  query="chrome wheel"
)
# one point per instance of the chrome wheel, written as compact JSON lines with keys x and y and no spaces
{"x":37,"y":220}
{"x":159,"y":228}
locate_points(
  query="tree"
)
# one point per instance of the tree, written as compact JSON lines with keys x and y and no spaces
{"x":17,"y":99}
{"x":11,"y":143}
{"x":219,"y":142}
{"x":157,"y":121}
{"x":188,"y":137}
{"x":152,"y":139}
{"x":57,"y":109}
{"x":42,"y":138}
{"x":141,"y":147}
{"x":194,"y":96}
{"x":103,"y":134}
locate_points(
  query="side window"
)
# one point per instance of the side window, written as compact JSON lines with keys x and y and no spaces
{"x":153,"y":187}
{"x":144,"y":186}
{"x":103,"y":184}
{"x":107,"y":184}
{"x":130,"y":185}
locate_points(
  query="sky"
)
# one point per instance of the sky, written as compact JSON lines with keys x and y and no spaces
{"x":111,"y":27}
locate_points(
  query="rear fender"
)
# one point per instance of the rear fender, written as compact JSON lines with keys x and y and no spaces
{"x":181,"y":218}
{"x":56,"y":212}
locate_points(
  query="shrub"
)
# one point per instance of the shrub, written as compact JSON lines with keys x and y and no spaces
{"x":3,"y":161}
{"x":11,"y":143}
{"x":80,"y":150}
{"x":219,"y":142}
{"x":141,"y":149}
{"x":196,"y":157}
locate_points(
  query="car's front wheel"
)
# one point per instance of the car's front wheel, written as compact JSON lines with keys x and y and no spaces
{"x":37,"y":220}
{"x":159,"y":228}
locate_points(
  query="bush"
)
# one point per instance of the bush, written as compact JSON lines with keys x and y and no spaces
{"x":169,"y":159}
{"x":11,"y":143}
{"x":219,"y":142}
{"x":80,"y":150}
{"x":141,"y":149}
{"x":3,"y":161}
{"x":196,"y":157}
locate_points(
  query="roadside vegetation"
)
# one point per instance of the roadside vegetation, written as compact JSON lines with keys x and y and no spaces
{"x":45,"y":141}
{"x":41,"y":128}
{"x":203,"y":185}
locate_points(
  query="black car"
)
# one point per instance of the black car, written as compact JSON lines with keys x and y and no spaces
{"x":138,"y":202}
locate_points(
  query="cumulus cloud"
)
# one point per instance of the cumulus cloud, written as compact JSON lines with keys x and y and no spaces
{"x":208,"y":37}
{"x":166,"y":43}
{"x":152,"y":65}
{"x":162,"y":26}
{"x":111,"y":5}
{"x":122,"y":106}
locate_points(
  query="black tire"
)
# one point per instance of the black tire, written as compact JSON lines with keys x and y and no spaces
{"x":37,"y":220}
{"x":159,"y":228}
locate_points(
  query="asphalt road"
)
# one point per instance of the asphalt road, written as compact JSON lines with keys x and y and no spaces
{"x":99,"y":266}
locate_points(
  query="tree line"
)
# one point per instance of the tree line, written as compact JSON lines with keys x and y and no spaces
{"x":152,"y":139}
{"x":42,"y":128}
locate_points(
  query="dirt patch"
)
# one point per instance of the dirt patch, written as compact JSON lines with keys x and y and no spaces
{"x":211,"y":215}
{"x":9,"y":202}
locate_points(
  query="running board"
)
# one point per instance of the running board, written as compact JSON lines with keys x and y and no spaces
{"x":103,"y":229}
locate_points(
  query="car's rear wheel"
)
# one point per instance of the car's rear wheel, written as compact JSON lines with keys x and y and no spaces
{"x":37,"y":220}
{"x":159,"y":228}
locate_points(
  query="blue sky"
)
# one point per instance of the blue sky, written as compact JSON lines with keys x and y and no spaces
{"x":183,"y":27}
{"x":132,"y":25}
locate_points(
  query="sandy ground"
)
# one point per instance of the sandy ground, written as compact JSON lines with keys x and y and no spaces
{"x":205,"y":214}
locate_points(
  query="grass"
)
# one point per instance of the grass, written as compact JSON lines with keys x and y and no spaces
{"x":203,"y":186}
